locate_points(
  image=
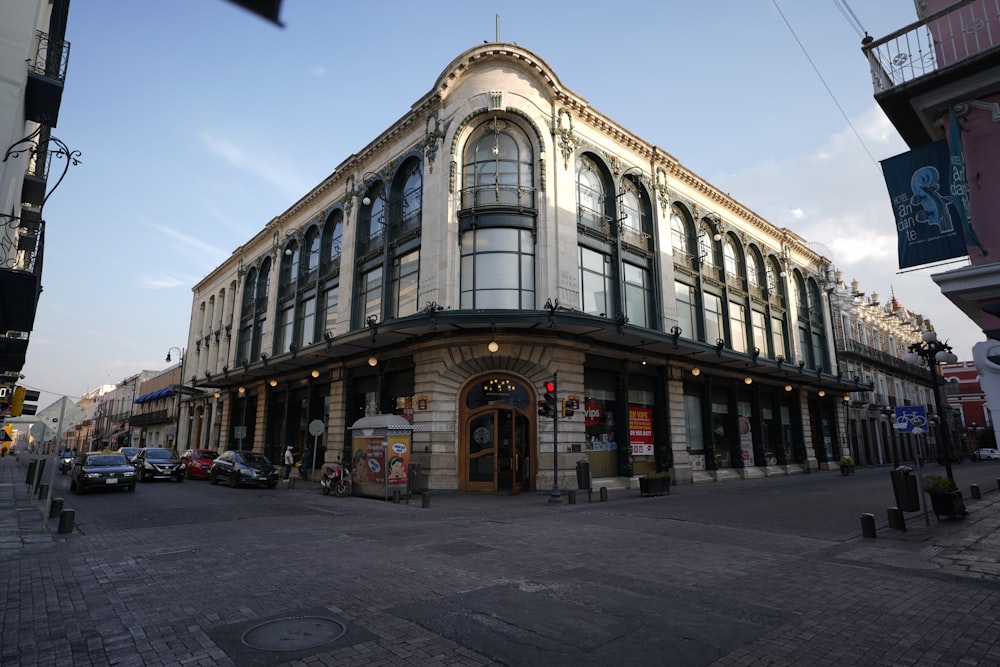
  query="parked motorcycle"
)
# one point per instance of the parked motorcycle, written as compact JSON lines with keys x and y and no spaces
{"x":337,"y":479}
{"x":65,"y":464}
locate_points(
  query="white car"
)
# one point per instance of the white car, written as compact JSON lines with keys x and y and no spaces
{"x":988,"y":454}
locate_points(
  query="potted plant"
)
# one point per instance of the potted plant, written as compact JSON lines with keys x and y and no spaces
{"x":655,"y":483}
{"x":846,"y":466}
{"x":946,"y":499}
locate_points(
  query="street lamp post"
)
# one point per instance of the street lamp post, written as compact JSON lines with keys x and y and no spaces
{"x":933,"y":352}
{"x":177,"y":426}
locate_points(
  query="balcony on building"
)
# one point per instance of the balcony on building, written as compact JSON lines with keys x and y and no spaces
{"x":918,"y":70}
{"x":46,"y":78}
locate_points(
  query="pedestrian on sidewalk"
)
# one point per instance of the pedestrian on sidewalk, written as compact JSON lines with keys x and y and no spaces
{"x":307,"y":459}
{"x":289,"y":461}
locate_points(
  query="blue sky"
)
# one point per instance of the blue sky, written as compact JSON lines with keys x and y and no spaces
{"x":198,"y":122}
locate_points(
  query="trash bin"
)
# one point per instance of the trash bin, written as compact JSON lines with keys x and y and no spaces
{"x":583,"y":475}
{"x":413,"y":478}
{"x":904,"y":487}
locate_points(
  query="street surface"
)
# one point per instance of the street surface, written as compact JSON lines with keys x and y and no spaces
{"x":755,"y":572}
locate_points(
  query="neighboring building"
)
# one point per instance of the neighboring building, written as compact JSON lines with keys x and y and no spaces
{"x":113,"y":426}
{"x":502,"y":232}
{"x":32,"y":73}
{"x":949,"y":61}
{"x":965,"y":393}
{"x":81,"y":435}
{"x":156,"y":410}
{"x":873,"y":339}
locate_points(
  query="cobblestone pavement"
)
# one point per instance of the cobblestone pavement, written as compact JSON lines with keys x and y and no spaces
{"x":486,"y":580}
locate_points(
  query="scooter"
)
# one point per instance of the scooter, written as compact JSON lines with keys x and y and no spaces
{"x":336,"y":479}
{"x":65,"y":464}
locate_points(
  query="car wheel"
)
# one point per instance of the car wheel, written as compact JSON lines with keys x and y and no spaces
{"x":131,"y":489}
{"x":234,"y":479}
{"x":180,"y":478}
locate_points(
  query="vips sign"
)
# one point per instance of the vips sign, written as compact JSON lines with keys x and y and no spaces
{"x":640,"y":430}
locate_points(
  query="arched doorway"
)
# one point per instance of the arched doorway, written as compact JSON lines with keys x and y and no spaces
{"x":497,"y":443}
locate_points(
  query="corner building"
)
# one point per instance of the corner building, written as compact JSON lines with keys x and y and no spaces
{"x":500,"y":232}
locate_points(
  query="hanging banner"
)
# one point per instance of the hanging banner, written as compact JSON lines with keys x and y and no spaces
{"x":929,"y":228}
{"x":959,"y":184}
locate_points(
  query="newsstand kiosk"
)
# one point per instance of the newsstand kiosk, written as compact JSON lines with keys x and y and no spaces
{"x":380,"y":456}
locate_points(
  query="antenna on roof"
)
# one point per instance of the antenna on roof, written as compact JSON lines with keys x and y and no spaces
{"x":498,"y":27}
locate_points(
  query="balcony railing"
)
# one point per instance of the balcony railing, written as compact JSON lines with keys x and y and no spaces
{"x":480,"y":196}
{"x":51,"y":57}
{"x":963,"y":30}
{"x":591,"y":220}
{"x":23,"y":255}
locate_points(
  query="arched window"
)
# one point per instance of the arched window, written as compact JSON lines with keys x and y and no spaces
{"x":333,"y":237}
{"x":680,"y":239}
{"x":590,"y":197}
{"x":497,"y":221}
{"x":753,"y":269}
{"x":310,"y":261}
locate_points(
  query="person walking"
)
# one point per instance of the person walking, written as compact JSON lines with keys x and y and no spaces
{"x":289,"y":461}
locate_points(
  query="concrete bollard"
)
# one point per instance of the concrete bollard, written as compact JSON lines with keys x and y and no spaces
{"x":974,"y":489}
{"x":868,"y":525}
{"x":425,"y":499}
{"x":896,"y":519}
{"x":55,"y":507}
{"x":604,"y":494}
{"x":571,"y":497}
{"x":66,"y":519}
{"x":43,"y":491}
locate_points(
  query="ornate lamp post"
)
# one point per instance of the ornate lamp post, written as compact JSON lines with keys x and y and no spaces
{"x":933,"y":352}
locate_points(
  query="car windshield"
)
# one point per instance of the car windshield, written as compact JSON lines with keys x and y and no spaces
{"x":160,"y":454}
{"x":205,"y":455}
{"x":253,"y":458}
{"x":107,"y":460}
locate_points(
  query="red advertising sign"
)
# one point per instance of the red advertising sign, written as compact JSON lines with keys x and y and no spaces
{"x":640,"y":430}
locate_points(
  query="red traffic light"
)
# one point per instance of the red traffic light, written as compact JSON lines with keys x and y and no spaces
{"x":550,"y":387}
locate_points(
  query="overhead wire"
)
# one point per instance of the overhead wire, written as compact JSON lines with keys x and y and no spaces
{"x":823,"y":81}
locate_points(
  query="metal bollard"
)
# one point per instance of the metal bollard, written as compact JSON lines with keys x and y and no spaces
{"x":425,"y":499}
{"x":896,"y":519}
{"x":43,"y":491}
{"x":868,"y":525}
{"x":395,"y":496}
{"x":974,"y":489}
{"x":604,"y":494}
{"x":66,"y":519}
{"x":55,"y":507}
{"x":571,"y":497}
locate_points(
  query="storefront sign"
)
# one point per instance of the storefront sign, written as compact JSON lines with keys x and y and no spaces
{"x":640,"y":430}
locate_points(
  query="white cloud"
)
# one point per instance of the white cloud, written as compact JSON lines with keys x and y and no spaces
{"x":273,"y":168}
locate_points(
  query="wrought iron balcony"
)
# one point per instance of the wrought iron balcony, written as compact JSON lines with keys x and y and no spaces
{"x":46,"y":74}
{"x":962,"y":31}
{"x":495,"y":195}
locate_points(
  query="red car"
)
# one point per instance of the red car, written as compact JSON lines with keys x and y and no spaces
{"x":196,"y":462}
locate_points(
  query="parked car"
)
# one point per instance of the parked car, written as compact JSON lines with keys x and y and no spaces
{"x":987,"y":454}
{"x":158,"y":463}
{"x":197,"y":462}
{"x":243,"y":467}
{"x":129,"y":452}
{"x":102,"y":470}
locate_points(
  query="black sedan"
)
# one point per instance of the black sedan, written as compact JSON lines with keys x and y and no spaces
{"x":102,"y":470}
{"x":243,"y":467}
{"x":158,"y":463}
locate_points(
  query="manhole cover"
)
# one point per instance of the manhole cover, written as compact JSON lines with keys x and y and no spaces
{"x":293,"y":634}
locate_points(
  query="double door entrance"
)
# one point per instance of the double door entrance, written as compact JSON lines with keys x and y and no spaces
{"x":496,"y":442}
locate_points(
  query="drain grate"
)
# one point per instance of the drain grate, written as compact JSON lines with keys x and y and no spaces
{"x":295,"y":633}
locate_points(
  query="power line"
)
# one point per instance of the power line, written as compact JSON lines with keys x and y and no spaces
{"x":823,"y":81}
{"x":850,"y":17}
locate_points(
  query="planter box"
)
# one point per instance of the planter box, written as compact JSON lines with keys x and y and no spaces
{"x":948,"y":504}
{"x":846,"y":469}
{"x":654,"y":487}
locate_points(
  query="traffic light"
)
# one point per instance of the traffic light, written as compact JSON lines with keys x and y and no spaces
{"x":17,"y":401}
{"x":567,"y":408}
{"x":547,"y":406}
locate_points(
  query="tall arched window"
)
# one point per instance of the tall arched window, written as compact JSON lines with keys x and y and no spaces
{"x":332,"y":244}
{"x":497,"y":219}
{"x":596,"y":253}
